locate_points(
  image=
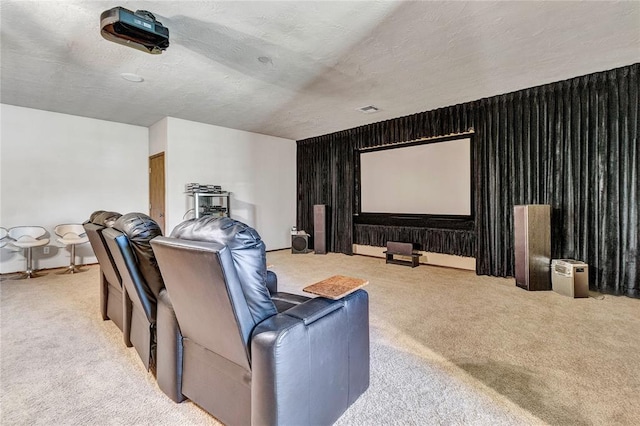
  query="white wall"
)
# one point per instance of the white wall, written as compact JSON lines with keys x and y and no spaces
{"x":158,"y":137}
{"x":259,"y":171}
{"x":57,"y":168}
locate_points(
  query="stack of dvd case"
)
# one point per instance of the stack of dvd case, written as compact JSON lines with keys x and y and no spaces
{"x":196,"y":187}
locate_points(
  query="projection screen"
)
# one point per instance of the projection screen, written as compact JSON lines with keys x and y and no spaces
{"x":431,"y":178}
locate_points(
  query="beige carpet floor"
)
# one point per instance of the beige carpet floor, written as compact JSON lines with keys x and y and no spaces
{"x":447,"y":348}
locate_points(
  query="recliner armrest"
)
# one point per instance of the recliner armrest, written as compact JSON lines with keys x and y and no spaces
{"x":311,"y":361}
{"x":286,"y":301}
{"x":314,"y":309}
{"x":272,"y":282}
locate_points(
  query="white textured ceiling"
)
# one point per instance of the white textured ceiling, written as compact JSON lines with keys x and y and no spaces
{"x":327,"y":58}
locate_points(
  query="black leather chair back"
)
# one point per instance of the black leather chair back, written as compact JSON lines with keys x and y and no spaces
{"x":132,"y":280}
{"x":97,"y":222}
{"x":247,"y":254}
{"x":201,"y":299}
{"x":107,"y":267}
{"x":222,"y":289}
{"x":134,"y":259}
{"x":140,"y":229}
{"x":111,"y":297}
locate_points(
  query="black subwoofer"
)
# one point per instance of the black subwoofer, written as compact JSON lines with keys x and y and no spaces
{"x":299,"y":244}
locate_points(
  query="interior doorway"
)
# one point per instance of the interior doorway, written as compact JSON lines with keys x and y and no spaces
{"x":156,"y":189}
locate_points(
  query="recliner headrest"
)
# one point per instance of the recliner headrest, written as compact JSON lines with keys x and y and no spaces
{"x":140,"y":229}
{"x":106,"y":219}
{"x":222,"y":230}
{"x":93,"y":216}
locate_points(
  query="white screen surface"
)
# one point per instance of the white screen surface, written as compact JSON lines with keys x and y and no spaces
{"x":432,"y":178}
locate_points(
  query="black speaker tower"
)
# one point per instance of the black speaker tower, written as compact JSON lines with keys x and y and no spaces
{"x":320,"y":228}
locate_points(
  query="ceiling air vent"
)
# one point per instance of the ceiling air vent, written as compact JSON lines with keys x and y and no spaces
{"x":369,"y":109}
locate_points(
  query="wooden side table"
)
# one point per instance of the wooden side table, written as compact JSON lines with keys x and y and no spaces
{"x":336,"y":287}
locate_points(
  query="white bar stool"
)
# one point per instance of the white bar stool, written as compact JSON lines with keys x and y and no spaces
{"x":71,"y":234}
{"x":27,"y":237}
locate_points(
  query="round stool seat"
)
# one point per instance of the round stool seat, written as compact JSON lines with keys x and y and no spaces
{"x":27,"y":241}
{"x":71,"y":238}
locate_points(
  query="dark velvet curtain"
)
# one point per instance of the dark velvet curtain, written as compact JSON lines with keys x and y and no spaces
{"x":314,"y":184}
{"x":571,"y":144}
{"x":450,"y":241}
{"x":325,"y":176}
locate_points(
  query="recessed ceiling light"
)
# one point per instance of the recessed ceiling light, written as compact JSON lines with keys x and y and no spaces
{"x":369,"y":109}
{"x":132,"y":77}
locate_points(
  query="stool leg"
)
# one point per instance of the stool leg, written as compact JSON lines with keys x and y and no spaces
{"x":72,"y":264}
{"x":30,"y":262}
{"x":29,"y":273}
{"x":72,"y":268}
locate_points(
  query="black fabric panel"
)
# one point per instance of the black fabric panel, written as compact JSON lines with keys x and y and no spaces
{"x":340,"y":222}
{"x":571,"y":144}
{"x":313,"y":183}
{"x":448,"y":241}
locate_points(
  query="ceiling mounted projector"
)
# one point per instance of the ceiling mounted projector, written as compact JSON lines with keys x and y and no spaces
{"x":138,"y":29}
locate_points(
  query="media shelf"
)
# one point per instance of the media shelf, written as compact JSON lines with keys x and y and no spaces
{"x":204,"y":203}
{"x":415,"y":259}
{"x":396,"y":248}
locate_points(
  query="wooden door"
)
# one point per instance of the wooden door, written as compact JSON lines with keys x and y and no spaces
{"x":156,"y":189}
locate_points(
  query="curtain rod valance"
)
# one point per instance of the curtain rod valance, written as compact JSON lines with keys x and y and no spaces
{"x":451,"y":136}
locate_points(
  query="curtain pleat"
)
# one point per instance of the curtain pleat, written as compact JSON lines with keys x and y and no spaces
{"x":448,"y":241}
{"x":341,"y":222}
{"x":571,"y":144}
{"x":313,"y":180}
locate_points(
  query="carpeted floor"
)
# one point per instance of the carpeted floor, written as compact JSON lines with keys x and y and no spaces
{"x":447,"y":348}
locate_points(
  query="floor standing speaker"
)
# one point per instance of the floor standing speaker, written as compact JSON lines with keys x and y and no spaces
{"x":320,"y":228}
{"x":532,"y":243}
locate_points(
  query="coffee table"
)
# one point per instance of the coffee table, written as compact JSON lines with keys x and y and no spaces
{"x":336,"y":287}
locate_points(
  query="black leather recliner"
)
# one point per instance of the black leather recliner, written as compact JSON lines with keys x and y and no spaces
{"x":242,"y":360}
{"x":111,"y":293}
{"x":128,"y":243}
